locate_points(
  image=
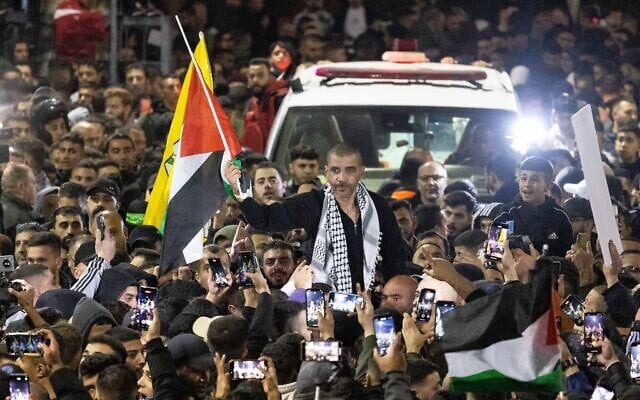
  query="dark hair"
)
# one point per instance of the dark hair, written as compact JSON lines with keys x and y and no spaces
{"x":66,"y":210}
{"x":303,"y":152}
{"x":73,"y":137}
{"x":45,"y":239}
{"x":123,"y":334}
{"x":29,"y":227}
{"x":72,"y":190}
{"x":342,"y":149}
{"x":472,"y":238}
{"x":285,"y":359}
{"x":260,"y":61}
{"x":399,"y":204}
{"x":117,"y":136}
{"x":278,"y":245}
{"x":183,"y":289}
{"x":27,"y":271}
{"x":201,"y":308}
{"x":117,"y":309}
{"x":117,"y":382}
{"x":270,"y":164}
{"x":151,"y":257}
{"x":418,"y":369}
{"x":33,"y":147}
{"x":69,"y":342}
{"x":96,"y":362}
{"x":115,"y":344}
{"x":461,"y":198}
{"x":135,"y":65}
{"x":182,"y":323}
{"x":463,"y":184}
{"x":503,"y":166}
{"x":348,"y":388}
{"x":86,"y":163}
{"x":428,"y":217}
{"x":283,"y":311}
{"x":228,"y":335}
{"x":168,"y":308}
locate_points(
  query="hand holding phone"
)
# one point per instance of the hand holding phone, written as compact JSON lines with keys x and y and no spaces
{"x":247,"y":369}
{"x":146,"y":303}
{"x":217,"y":272}
{"x":24,"y":343}
{"x":19,"y":387}
{"x":634,"y":359}
{"x":498,"y":233}
{"x":593,"y":331}
{"x":425,"y":304}
{"x":314,"y":299}
{"x":385,"y":331}
{"x":247,"y":263}
{"x":442,"y":307}
{"x":321,"y":351}
{"x":345,"y":302}
{"x":574,"y":308}
{"x":101,"y":225}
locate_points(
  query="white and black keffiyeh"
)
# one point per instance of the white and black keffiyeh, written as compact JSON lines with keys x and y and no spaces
{"x":330,"y":255}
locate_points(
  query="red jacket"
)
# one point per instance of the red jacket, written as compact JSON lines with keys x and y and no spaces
{"x":78,"y":29}
{"x":262,"y":112}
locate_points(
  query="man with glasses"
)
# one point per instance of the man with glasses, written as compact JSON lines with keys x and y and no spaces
{"x":23,"y":234}
{"x":277,"y":263}
{"x":432,"y":179}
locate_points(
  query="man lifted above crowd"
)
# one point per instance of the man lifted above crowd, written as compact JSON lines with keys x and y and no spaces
{"x":351,"y":231}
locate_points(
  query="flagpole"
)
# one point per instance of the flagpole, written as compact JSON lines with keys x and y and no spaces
{"x":204,"y":87}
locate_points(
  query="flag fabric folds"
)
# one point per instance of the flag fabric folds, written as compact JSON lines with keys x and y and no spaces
{"x":189,"y":186}
{"x":505,"y":341}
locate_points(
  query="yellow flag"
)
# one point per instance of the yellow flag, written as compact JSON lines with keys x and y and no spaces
{"x":159,"y":200}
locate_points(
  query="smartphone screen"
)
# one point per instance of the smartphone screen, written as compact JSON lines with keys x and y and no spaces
{"x":385,"y":332}
{"x":322,"y":351}
{"x":146,"y":302}
{"x":345,"y":302}
{"x":315,"y":303}
{"x":247,"y":262}
{"x":20,"y":343}
{"x":101,"y":225}
{"x":496,"y":239}
{"x":247,"y":369}
{"x":442,"y":307}
{"x":593,"y":332}
{"x":634,"y":359}
{"x":425,"y":304}
{"x":19,"y":387}
{"x":583,"y":240}
{"x":574,"y":308}
{"x":218,"y":273}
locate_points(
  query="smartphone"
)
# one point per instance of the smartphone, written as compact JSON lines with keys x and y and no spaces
{"x":425,"y":304}
{"x":496,"y":239}
{"x":314,"y":299}
{"x":583,"y":240}
{"x":146,"y":302}
{"x":101,"y":225}
{"x":385,"y":331}
{"x":574,"y":308}
{"x":247,"y":369}
{"x":442,"y":307}
{"x":247,"y":262}
{"x":19,"y":343}
{"x":19,"y":387}
{"x":345,"y":302}
{"x":593,"y":331}
{"x":321,"y":351}
{"x":634,"y":359}
{"x":4,"y":153}
{"x":555,"y":273}
{"x":218,"y":273}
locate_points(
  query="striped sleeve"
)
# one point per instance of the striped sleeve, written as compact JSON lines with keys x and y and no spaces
{"x":90,"y":278}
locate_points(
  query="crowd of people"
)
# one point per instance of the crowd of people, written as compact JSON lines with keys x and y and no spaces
{"x":79,"y":159}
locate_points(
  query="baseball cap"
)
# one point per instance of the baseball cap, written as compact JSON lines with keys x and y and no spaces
{"x":577,"y":207}
{"x":227,"y":231}
{"x":105,"y":185}
{"x":190,"y":350}
{"x":201,"y":325}
{"x":148,"y":234}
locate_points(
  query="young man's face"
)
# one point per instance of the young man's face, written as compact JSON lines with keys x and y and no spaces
{"x":457,"y":219}
{"x":83,"y":176}
{"x":68,"y":226}
{"x":268,"y":185}
{"x":533,"y":185}
{"x":627,"y":146}
{"x":406,"y":222}
{"x":121,"y":152}
{"x":87,"y":75}
{"x":303,"y":170}
{"x":278,"y":266}
{"x":56,"y":128}
{"x":115,"y":107}
{"x":70,"y":154}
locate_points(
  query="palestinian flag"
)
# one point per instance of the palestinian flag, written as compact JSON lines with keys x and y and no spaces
{"x":505,"y":341}
{"x":196,"y":189}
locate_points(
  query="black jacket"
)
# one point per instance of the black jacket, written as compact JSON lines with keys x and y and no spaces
{"x":304,"y":210}
{"x":507,"y":193}
{"x":547,"y":223}
{"x":67,"y":386}
{"x":166,"y":382}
